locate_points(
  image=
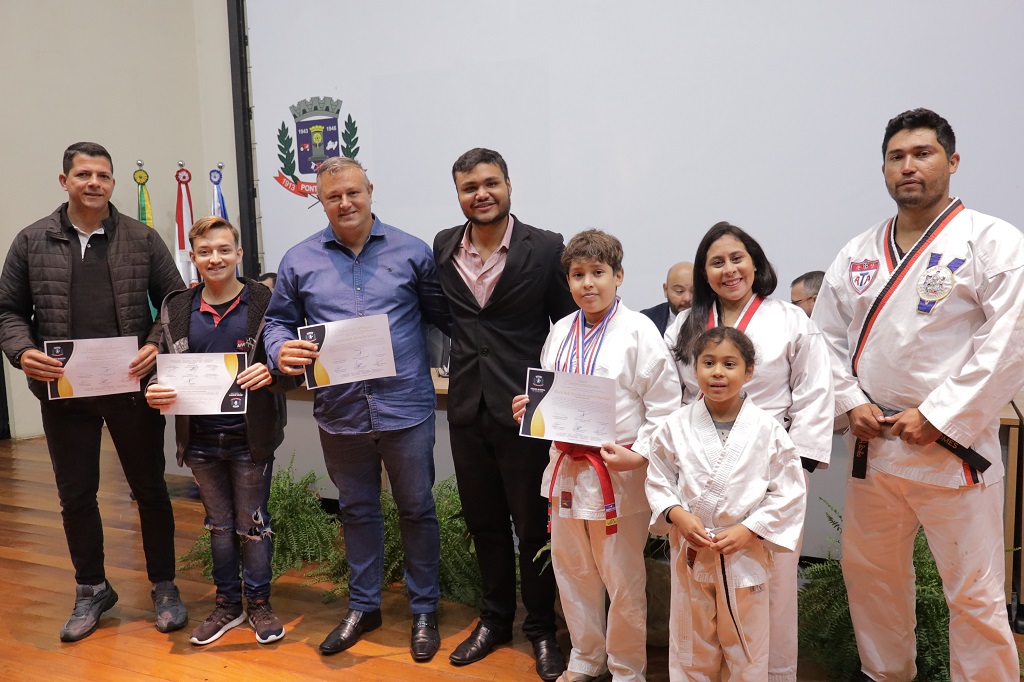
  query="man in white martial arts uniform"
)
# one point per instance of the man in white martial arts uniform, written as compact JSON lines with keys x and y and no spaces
{"x":920,"y":313}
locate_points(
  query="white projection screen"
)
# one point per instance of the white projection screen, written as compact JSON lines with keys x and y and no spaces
{"x":650,"y":120}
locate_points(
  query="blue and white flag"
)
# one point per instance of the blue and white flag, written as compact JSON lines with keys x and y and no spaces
{"x":219,"y":208}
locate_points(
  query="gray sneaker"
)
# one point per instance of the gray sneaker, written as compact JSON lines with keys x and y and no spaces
{"x":171,"y":614}
{"x":89,"y":604}
{"x":262,"y":619}
{"x":224,"y":617}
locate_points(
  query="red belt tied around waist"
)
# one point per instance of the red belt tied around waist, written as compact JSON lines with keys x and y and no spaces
{"x":581,"y":452}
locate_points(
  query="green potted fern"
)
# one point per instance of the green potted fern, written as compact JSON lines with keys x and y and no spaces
{"x":307,"y":536}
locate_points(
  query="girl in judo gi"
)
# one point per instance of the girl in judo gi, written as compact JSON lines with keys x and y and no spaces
{"x":599,"y":512}
{"x":725,"y":480}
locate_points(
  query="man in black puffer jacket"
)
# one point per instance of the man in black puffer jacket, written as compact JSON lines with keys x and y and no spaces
{"x":88,"y":272}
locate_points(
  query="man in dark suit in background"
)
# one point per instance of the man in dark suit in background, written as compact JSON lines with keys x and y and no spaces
{"x":505,"y":286}
{"x":678,"y":288}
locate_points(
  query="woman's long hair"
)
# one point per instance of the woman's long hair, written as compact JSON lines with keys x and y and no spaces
{"x":765,"y":281}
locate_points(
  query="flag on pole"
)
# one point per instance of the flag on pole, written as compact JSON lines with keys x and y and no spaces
{"x":145,"y":211}
{"x":219,"y":208}
{"x":145,"y":206}
{"x":183,"y":217}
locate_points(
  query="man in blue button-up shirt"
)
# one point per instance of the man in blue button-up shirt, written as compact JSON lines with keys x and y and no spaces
{"x":358,"y":267}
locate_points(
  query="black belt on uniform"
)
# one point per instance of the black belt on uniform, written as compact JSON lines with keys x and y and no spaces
{"x":968,"y":455}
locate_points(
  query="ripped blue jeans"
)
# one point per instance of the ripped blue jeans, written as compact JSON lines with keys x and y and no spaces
{"x":234,"y":492}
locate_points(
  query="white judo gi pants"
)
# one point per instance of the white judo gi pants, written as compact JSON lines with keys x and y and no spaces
{"x":783,"y":647}
{"x":588,"y":563}
{"x":964,"y":527}
{"x":704,"y":644}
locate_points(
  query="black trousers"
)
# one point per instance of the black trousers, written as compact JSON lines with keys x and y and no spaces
{"x":72,"y":429}
{"x":499,"y":475}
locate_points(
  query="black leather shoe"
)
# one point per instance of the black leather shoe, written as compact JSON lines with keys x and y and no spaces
{"x":550,"y":661}
{"x":426,"y":640}
{"x":352,"y":626}
{"x":479,"y":644}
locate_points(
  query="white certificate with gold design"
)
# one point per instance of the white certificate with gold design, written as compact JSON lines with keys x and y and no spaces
{"x":569,"y":407}
{"x":350,"y":350}
{"x":93,"y":367}
{"x":205,"y":383}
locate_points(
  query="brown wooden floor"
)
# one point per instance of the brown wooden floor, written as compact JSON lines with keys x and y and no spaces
{"x":37,"y":587}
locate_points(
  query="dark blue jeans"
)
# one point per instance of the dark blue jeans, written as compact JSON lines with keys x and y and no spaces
{"x":354,"y":464}
{"x":234,"y":492}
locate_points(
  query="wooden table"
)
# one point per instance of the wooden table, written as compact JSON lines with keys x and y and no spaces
{"x":1010,"y":424}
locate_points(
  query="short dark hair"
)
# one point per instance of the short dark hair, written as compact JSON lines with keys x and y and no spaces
{"x":593,"y":245}
{"x":267,"y":275}
{"x":704,"y":297}
{"x":474,"y":157}
{"x":811,"y":281}
{"x":921,"y":118}
{"x":716,"y":335}
{"x":86,"y":149}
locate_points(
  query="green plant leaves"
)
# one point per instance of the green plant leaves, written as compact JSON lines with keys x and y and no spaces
{"x":305,"y":536}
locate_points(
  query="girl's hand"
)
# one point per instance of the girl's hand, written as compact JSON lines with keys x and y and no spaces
{"x":733,"y":539}
{"x":690,"y":527}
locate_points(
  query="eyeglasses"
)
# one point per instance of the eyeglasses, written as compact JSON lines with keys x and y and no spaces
{"x":804,"y":299}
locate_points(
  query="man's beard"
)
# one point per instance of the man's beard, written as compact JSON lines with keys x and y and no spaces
{"x":502,"y":213}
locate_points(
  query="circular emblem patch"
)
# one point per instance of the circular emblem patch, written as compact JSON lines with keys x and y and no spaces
{"x":141,"y":176}
{"x":935,"y":283}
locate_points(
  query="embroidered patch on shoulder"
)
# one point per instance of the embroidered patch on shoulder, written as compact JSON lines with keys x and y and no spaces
{"x":862,"y":274}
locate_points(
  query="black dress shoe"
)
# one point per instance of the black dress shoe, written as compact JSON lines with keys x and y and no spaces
{"x":479,"y":644}
{"x":354,"y":624}
{"x":426,"y":640}
{"x":550,"y":661}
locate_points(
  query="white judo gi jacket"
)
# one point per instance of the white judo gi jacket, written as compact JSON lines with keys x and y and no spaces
{"x":754,"y":479}
{"x":943,"y":331}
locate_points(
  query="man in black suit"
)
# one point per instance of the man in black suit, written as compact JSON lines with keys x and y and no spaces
{"x":678,"y":288}
{"x":505,"y":286}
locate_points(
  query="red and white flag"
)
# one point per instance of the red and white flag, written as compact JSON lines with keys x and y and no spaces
{"x":183,"y":217}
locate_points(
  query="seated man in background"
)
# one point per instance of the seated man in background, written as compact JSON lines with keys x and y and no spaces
{"x":804,"y":290}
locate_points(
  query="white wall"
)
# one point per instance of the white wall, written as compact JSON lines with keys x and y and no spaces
{"x":148,"y":80}
{"x":652,"y":120}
